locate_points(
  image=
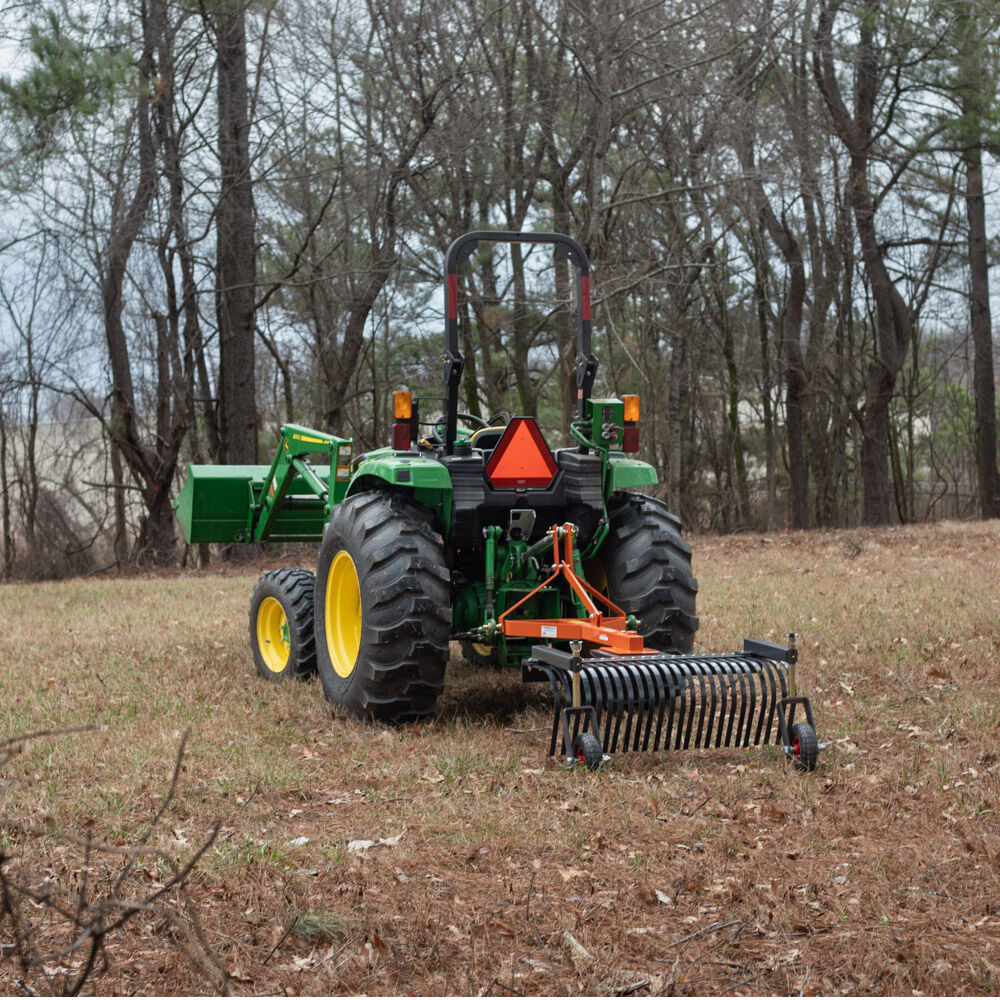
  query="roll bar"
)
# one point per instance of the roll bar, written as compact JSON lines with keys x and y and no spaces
{"x":454,"y":362}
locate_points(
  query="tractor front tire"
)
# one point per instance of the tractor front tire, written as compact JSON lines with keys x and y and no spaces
{"x":383,"y":609}
{"x":281,"y":625}
{"x":646,"y":570}
{"x":480,"y":655}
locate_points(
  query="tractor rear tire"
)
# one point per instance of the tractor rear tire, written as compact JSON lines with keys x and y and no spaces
{"x":281,"y":625}
{"x":646,"y":567}
{"x":383,"y":609}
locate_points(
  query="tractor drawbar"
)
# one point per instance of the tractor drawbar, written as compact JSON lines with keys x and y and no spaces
{"x":653,"y":701}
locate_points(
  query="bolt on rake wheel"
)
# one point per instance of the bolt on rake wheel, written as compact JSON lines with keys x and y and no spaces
{"x":281,"y":625}
{"x":587,"y":750}
{"x":805,"y":747}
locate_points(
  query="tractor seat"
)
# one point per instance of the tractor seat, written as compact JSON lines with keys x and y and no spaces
{"x":487,"y":438}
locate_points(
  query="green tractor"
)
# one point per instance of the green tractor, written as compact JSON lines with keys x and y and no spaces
{"x":476,"y":531}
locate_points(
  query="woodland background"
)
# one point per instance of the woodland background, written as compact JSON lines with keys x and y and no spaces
{"x":216,"y":217}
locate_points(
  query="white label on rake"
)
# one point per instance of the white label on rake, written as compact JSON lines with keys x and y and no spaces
{"x":550,"y":632}
{"x":603,"y":638}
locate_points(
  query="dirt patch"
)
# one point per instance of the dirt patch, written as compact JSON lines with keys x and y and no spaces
{"x":456,"y":857}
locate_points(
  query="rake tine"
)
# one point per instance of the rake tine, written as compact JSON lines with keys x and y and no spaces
{"x":666,"y":704}
{"x":684,"y":682}
{"x":744,"y":699}
{"x":712,"y":705}
{"x":756,"y":681}
{"x":767,"y":686}
{"x":691,"y":707}
{"x":643,"y":698}
{"x":631,"y":689}
{"x":735,"y":678}
{"x":655,"y":686}
{"x":725,"y":679}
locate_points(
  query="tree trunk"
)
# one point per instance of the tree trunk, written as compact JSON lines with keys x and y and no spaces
{"x":893,"y":322}
{"x":763,"y":328}
{"x":8,"y":538}
{"x":235,"y":249}
{"x":983,"y":386}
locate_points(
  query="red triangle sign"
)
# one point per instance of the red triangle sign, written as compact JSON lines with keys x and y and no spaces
{"x":522,"y":457}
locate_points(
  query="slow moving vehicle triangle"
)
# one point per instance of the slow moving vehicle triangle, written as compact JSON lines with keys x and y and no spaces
{"x":521,"y":458}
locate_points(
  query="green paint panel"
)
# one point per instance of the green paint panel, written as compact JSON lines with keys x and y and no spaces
{"x":627,"y":472}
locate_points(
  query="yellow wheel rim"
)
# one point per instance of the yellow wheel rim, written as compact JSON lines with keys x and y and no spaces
{"x":343,"y":614}
{"x":272,"y":635}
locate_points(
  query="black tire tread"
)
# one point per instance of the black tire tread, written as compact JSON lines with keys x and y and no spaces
{"x":648,"y":567}
{"x":805,"y":736}
{"x":294,"y":590}
{"x":587,"y":747}
{"x":406,"y":609}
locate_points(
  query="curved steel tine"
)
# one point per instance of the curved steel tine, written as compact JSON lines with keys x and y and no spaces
{"x":683,"y":683}
{"x":766,"y":707}
{"x":603,"y":701}
{"x":630,"y":686}
{"x":617,"y":700}
{"x":647,"y":700}
{"x":654,"y":682}
{"x":725,"y":685}
{"x":699,"y":671}
{"x":744,"y":699}
{"x":734,"y":679}
{"x":588,"y":696}
{"x":691,"y":704}
{"x":669,"y":679}
{"x":712,"y":674}
{"x":752,"y":671}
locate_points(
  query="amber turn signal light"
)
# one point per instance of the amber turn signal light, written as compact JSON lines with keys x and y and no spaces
{"x":631,"y":409}
{"x":402,"y":405}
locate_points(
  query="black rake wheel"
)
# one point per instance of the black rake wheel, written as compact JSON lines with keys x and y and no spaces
{"x":805,"y":747}
{"x":646,"y":566}
{"x":587,"y":750}
{"x":383,"y":609}
{"x":281,"y":625}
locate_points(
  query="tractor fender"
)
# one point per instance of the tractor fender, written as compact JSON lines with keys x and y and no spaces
{"x":424,"y":479}
{"x":626,"y":473}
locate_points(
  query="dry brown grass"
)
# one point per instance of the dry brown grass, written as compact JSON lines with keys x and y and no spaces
{"x":503,"y":872}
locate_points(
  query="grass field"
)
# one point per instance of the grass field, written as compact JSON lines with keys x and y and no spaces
{"x":494,"y":869}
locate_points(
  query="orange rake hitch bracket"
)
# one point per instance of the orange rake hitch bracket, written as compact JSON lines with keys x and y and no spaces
{"x":608,"y":631}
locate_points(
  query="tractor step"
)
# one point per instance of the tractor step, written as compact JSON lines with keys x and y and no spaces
{"x":654,"y":701}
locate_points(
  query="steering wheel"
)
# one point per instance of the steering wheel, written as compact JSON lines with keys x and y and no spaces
{"x":470,"y":418}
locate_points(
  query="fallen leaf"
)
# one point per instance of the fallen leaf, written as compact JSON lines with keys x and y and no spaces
{"x":357,"y":846}
{"x":574,"y":945}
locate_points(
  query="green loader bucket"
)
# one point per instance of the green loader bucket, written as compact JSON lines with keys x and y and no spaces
{"x":216,"y":502}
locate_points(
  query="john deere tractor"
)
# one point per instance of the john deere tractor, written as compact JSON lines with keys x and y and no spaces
{"x":477,"y":531}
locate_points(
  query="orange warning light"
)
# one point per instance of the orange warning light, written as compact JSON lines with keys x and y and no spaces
{"x":521,"y":458}
{"x":402,"y":405}
{"x":631,"y":408}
